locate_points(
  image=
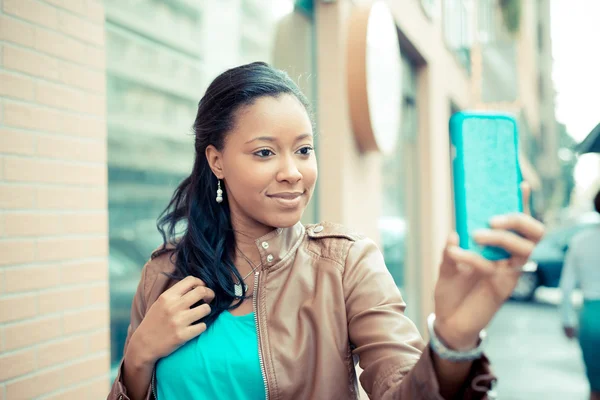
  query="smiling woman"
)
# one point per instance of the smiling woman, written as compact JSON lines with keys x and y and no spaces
{"x":320,"y":294}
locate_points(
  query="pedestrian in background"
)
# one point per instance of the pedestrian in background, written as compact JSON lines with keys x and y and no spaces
{"x":582,"y":268}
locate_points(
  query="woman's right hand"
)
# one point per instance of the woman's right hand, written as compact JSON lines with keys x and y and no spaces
{"x":168,"y":324}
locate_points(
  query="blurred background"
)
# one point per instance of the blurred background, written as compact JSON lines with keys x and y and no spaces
{"x":97,"y":99}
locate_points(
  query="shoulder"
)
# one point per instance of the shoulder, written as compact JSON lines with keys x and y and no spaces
{"x":585,"y":237}
{"x":334,"y":241}
{"x":158,"y":268}
{"x":331,"y":230}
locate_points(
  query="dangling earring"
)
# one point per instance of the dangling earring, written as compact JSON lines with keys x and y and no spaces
{"x":219,"y":192}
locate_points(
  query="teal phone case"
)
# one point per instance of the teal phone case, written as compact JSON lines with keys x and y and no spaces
{"x":486,"y":174}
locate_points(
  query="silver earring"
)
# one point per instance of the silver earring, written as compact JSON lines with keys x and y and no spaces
{"x":219,"y":192}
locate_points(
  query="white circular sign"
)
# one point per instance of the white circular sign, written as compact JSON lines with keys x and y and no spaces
{"x":375,"y":77}
{"x":384,"y":77}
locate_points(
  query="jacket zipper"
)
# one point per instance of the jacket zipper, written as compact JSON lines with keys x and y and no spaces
{"x":260,"y":357}
{"x":154,"y":384}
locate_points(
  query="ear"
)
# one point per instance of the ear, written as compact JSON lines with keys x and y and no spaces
{"x":215,"y":161}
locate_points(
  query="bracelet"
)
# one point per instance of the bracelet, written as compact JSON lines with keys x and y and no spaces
{"x":445,"y":353}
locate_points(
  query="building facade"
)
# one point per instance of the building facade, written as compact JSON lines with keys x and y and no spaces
{"x":97,"y":101}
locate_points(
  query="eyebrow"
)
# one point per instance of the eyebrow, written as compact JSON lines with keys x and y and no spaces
{"x":272,"y":139}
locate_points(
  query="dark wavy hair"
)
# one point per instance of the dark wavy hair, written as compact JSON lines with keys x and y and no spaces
{"x":196,"y":225}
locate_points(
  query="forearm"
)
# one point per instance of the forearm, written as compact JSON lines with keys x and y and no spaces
{"x":451,"y":375}
{"x":137,"y":373}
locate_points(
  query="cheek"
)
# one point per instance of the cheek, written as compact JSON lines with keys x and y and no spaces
{"x":249,"y":179}
{"x":310,"y":173}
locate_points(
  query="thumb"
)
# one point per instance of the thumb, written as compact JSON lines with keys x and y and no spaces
{"x":448,"y":265}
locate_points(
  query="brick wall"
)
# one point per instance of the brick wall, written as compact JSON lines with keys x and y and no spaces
{"x":54,"y":303}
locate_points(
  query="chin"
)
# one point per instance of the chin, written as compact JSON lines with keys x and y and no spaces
{"x":284,"y":220}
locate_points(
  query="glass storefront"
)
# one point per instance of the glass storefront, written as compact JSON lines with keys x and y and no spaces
{"x":161,"y":55}
{"x":398,"y":225}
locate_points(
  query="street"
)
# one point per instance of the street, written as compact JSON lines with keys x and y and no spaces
{"x":530,"y":355}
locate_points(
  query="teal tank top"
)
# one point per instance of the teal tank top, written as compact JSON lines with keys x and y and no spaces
{"x":221,"y":363}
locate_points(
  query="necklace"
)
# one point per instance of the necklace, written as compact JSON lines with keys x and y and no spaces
{"x":238,"y":286}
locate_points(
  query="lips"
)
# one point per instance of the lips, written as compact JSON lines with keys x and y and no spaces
{"x":286,"y":195}
{"x":287,"y":200}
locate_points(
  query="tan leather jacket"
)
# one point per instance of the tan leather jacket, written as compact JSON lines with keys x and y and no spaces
{"x":323,"y":298}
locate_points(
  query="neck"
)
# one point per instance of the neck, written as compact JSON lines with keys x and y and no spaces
{"x":246,"y":233}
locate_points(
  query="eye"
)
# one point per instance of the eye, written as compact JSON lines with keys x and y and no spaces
{"x":306,"y":150}
{"x":264,"y":153}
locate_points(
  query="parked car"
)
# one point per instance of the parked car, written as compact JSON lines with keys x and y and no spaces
{"x":546,"y":262}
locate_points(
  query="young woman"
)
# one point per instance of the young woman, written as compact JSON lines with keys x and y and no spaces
{"x":244,"y":302}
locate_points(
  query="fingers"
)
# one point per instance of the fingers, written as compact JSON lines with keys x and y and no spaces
{"x":453,"y":239}
{"x":192,"y":331}
{"x":195,"y":314}
{"x":185,"y":285}
{"x":522,"y":224}
{"x":196,"y":294}
{"x":526,"y":193}
{"x":467,"y":261}
{"x":516,"y":245}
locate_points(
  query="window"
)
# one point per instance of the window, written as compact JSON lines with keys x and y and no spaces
{"x":458,"y":29}
{"x":398,"y":224}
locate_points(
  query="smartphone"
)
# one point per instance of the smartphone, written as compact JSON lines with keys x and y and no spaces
{"x":486,"y":174}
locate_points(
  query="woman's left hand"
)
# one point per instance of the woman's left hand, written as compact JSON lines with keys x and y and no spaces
{"x":471,"y":289}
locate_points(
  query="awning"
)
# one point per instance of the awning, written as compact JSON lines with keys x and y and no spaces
{"x":529,"y":174}
{"x":591,"y":144}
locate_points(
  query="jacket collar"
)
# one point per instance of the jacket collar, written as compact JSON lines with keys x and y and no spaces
{"x":278,"y":244}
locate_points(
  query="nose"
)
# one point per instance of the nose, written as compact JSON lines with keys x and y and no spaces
{"x":289,"y":171}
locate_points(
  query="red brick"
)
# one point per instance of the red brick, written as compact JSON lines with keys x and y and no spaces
{"x":32,"y":117}
{"x":62,"y":350}
{"x":15,"y":142}
{"x":95,"y":11}
{"x":86,"y":320}
{"x":30,"y":62}
{"x":28,"y":333}
{"x":35,"y":385}
{"x":71,"y":248}
{"x":96,"y":57}
{"x":16,"y":196}
{"x":87,"y":369}
{"x":16,"y":251}
{"x":71,"y":148}
{"x":29,"y":278}
{"x":59,"y":96}
{"x":32,"y":224}
{"x":45,"y":119}
{"x":16,"y":86}
{"x":60,"y":45}
{"x":15,"y":31}
{"x":16,"y":364}
{"x":82,"y":77}
{"x":42,"y":171}
{"x":62,"y":299}
{"x":72,"y":198}
{"x":80,"y":28}
{"x":98,"y":295}
{"x":85,"y":223}
{"x":34,"y":11}
{"x":82,"y":272}
{"x":99,"y":341}
{"x":76,"y":6}
{"x":18,"y":307}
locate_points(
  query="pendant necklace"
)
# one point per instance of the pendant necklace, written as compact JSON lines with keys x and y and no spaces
{"x":238,"y":286}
